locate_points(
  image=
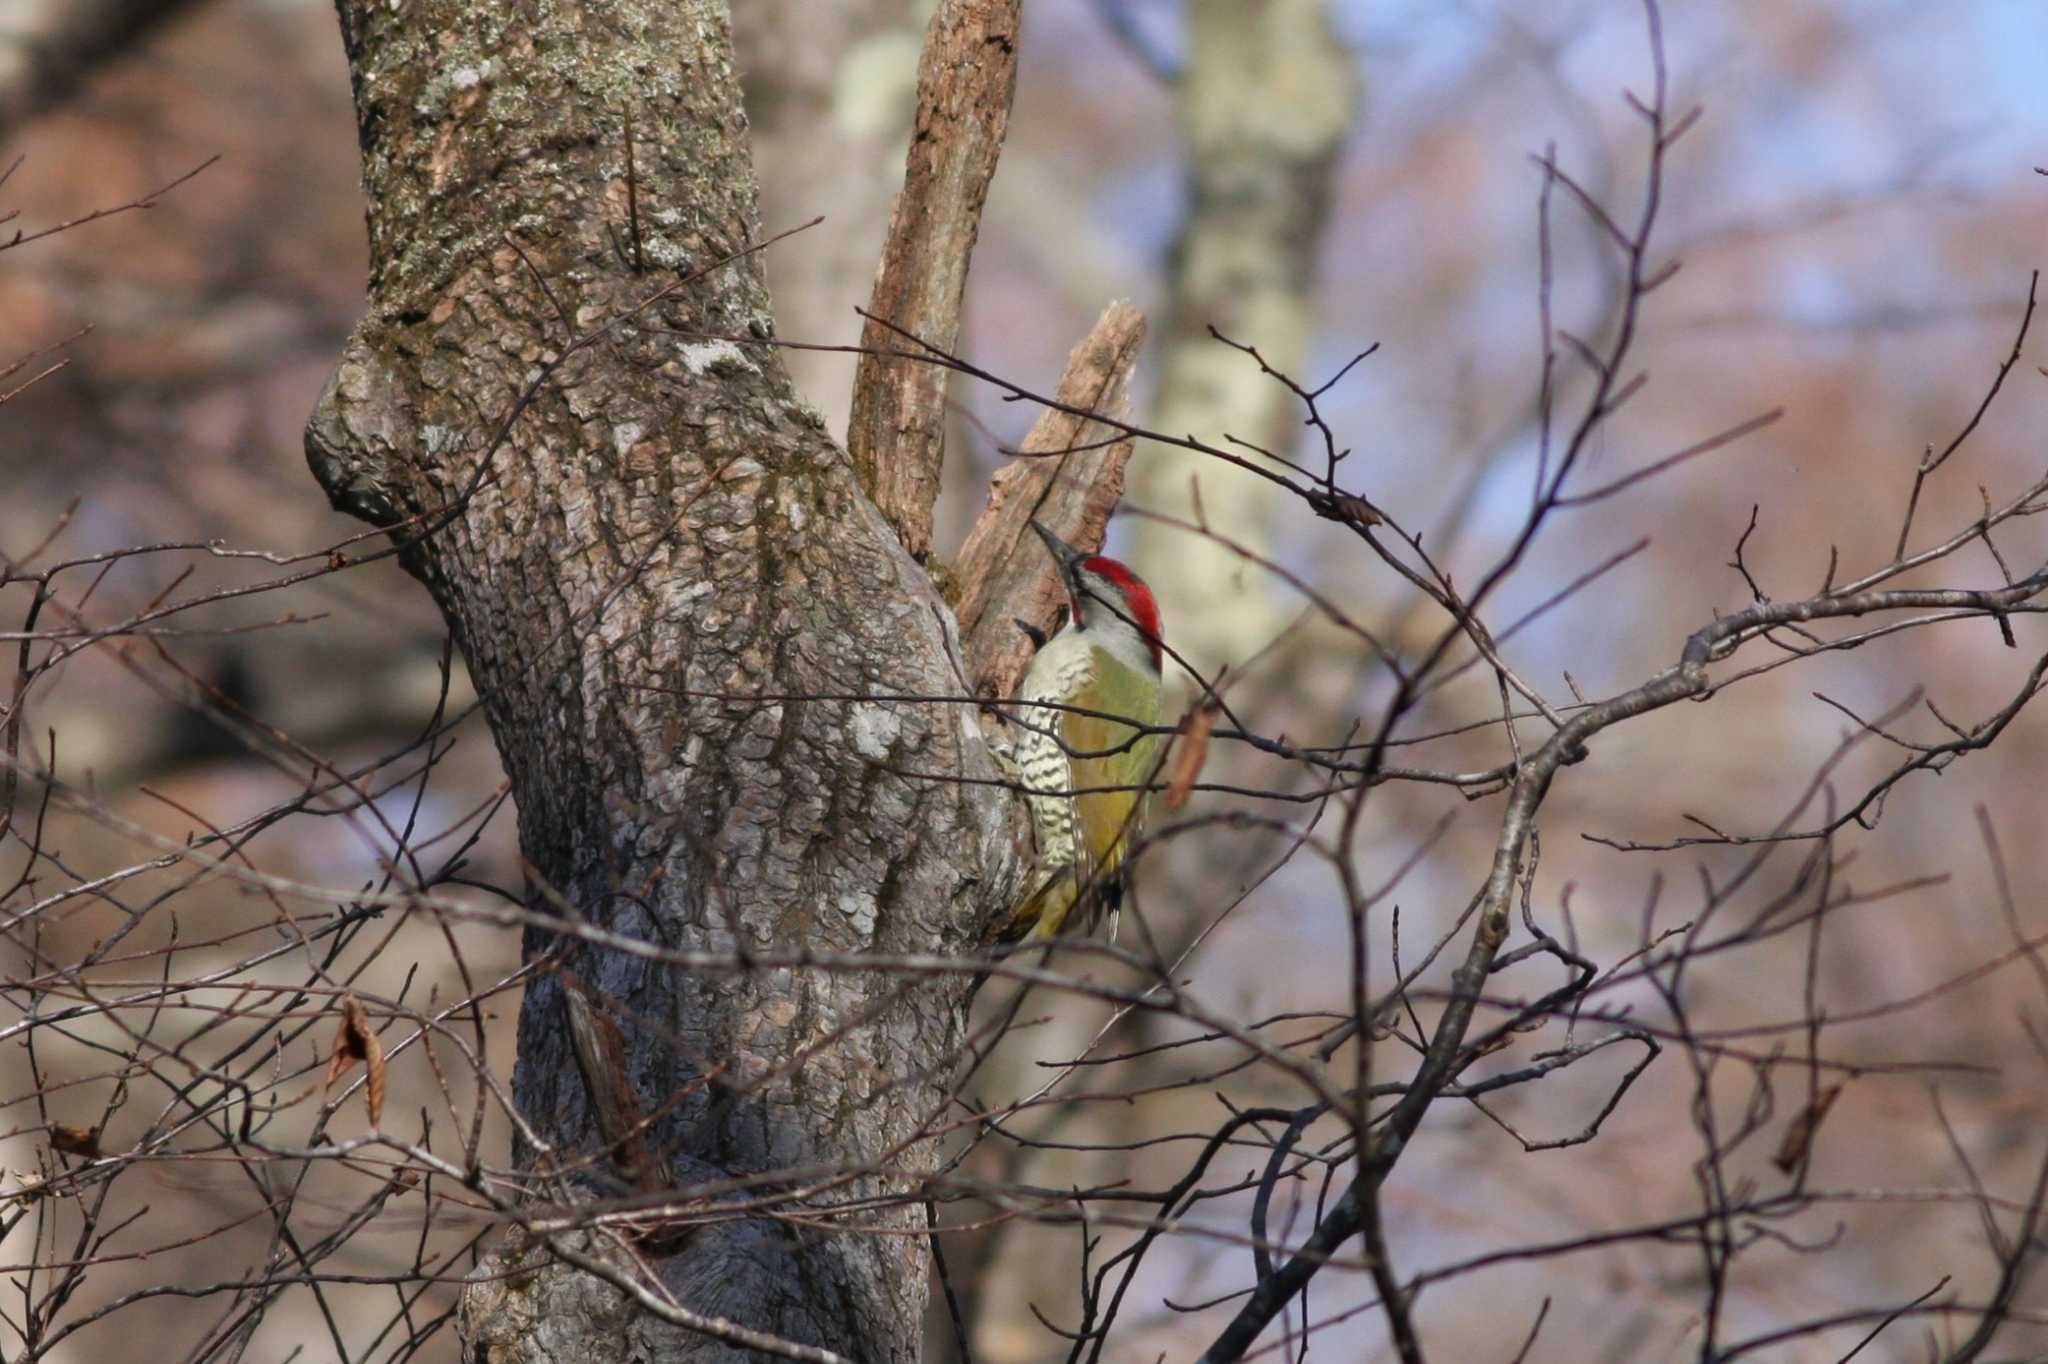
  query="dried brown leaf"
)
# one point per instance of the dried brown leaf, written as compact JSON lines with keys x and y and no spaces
{"x":75,"y":1141}
{"x":1189,"y":753}
{"x":1798,"y":1142}
{"x":355,"y":1040}
{"x":373,"y":1093}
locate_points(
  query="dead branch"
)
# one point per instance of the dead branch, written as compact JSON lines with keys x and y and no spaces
{"x":897,"y":431}
{"x":1070,"y":476}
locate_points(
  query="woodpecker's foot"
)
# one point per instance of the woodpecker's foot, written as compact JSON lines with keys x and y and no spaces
{"x":1037,"y":636}
{"x":1005,"y":754}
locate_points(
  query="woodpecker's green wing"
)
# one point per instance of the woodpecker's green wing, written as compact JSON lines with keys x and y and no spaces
{"x":1102,"y":754}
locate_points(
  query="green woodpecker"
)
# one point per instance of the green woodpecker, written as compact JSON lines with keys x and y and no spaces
{"x":1091,"y":768}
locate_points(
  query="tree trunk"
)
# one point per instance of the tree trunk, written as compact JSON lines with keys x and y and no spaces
{"x":1264,"y":105}
{"x":659,"y":561}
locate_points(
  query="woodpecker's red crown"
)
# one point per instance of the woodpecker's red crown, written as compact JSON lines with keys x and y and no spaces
{"x":1138,"y":604}
{"x":1126,"y":599}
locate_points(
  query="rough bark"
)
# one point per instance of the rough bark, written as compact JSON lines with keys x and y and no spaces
{"x":1264,"y":105}
{"x":665,"y":534}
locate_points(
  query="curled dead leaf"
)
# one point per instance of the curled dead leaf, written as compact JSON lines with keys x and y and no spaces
{"x":1189,"y":753}
{"x":75,"y":1141}
{"x":1349,"y":508}
{"x":1798,"y":1142}
{"x":355,"y":1040}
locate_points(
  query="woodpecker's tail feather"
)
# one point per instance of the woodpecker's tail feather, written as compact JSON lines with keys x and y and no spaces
{"x":1049,"y":910}
{"x":1043,"y":912}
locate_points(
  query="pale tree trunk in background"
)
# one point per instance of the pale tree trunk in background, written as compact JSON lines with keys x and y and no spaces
{"x":1265,"y":101}
{"x":48,"y":46}
{"x":667,"y":532}
{"x":829,"y":89}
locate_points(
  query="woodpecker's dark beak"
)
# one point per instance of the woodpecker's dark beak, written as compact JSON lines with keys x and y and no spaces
{"x":1063,"y":554}
{"x":1067,"y":558}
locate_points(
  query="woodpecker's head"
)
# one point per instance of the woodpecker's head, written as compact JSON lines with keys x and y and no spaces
{"x":1108,"y":600}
